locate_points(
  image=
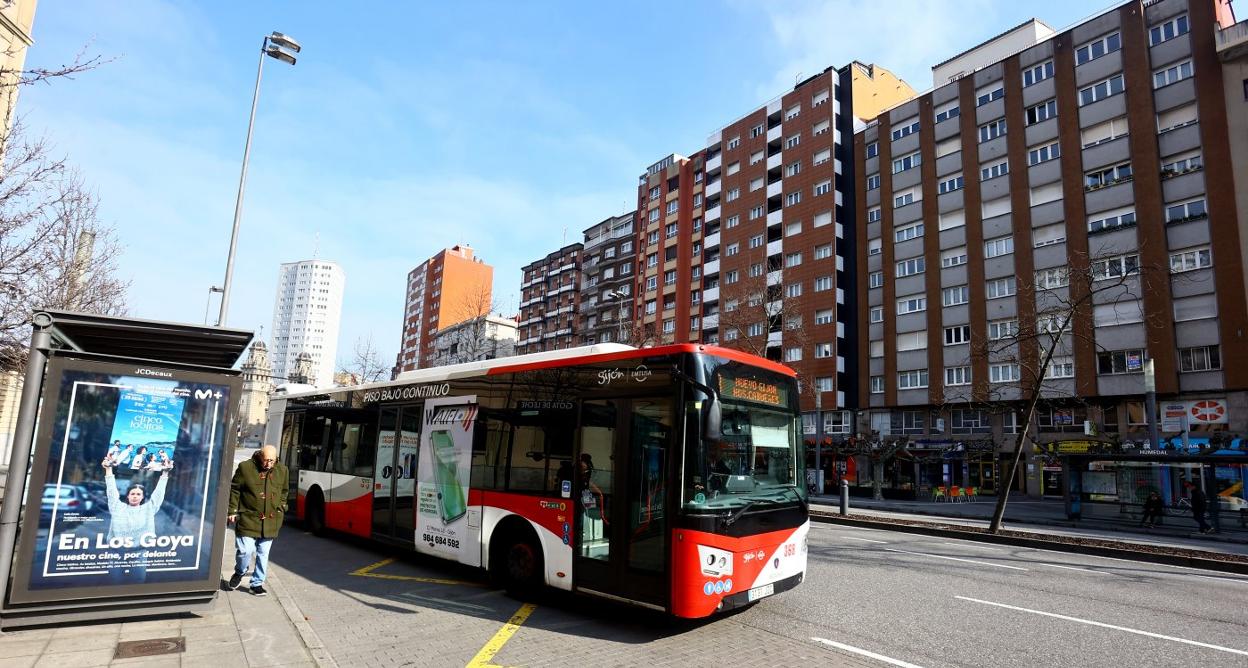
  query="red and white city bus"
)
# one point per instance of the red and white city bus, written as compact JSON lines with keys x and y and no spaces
{"x":667,"y":477}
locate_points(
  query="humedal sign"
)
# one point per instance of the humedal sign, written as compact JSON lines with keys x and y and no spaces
{"x":445,"y":525}
{"x":125,"y":483}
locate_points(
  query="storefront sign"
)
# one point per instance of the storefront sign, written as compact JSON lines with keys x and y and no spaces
{"x":126,"y":483}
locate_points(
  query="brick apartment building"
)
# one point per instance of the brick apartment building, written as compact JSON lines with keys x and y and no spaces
{"x":1042,"y":168}
{"x":549,"y":300}
{"x":448,"y":288}
{"x":610,"y":258}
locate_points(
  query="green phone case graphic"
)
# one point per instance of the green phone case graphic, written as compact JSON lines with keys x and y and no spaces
{"x":451,"y":503}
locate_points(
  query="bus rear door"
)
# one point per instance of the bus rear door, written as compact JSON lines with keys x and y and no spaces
{"x":620,"y":496}
{"x":394,"y":475}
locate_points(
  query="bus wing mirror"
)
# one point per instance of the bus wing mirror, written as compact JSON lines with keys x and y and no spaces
{"x":714,"y":419}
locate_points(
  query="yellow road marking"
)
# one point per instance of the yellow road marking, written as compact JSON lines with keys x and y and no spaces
{"x":367,"y":572}
{"x":483,"y":657}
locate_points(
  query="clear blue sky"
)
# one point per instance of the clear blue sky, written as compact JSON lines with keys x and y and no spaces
{"x":409,"y":127}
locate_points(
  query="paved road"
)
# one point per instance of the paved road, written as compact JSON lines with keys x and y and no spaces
{"x":871,"y":597}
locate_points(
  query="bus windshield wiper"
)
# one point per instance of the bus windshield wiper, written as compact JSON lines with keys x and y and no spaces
{"x":743,"y":509}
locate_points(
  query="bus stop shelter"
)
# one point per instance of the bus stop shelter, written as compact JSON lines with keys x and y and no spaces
{"x":112,"y":410}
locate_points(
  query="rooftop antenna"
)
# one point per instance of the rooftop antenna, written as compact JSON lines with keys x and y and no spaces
{"x":797,"y":78}
{"x":316,"y":245}
{"x":565,"y":237}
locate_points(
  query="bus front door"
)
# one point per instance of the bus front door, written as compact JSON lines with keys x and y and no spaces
{"x":394,"y":477}
{"x":620,"y":498}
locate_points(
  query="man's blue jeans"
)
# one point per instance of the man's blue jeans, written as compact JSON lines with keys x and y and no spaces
{"x":245,"y":547}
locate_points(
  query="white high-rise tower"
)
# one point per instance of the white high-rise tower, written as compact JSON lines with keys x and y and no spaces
{"x":306,"y":316}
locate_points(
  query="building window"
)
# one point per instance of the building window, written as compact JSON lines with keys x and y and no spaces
{"x":906,"y":162}
{"x":823,"y":283}
{"x":823,"y":317}
{"x":984,"y":97}
{"x":793,"y":198}
{"x":793,"y":259}
{"x":953,"y":257}
{"x":876,"y":279}
{"x":951,"y":184}
{"x":912,"y":380}
{"x":947,"y":112}
{"x":910,"y":267}
{"x":957,"y":335}
{"x":792,"y":141}
{"x":903,"y":199}
{"x":1172,"y":74}
{"x":1002,"y":329}
{"x":908,"y":232}
{"x":873,"y":181}
{"x":823,"y":252}
{"x":1168,"y":30}
{"x":823,"y":350}
{"x":732,"y":249}
{"x":1115,"y":267}
{"x":911,"y":304}
{"x":820,"y":128}
{"x":1100,"y":90}
{"x":756,"y":270}
{"x":874,"y":214}
{"x":1190,"y":259}
{"x":905,"y":129}
{"x":1097,"y":48}
{"x":958,"y":375}
{"x":734,"y":142}
{"x":958,"y":294}
{"x":1050,"y":279}
{"x":1200,"y":358}
{"x":757,"y":130}
{"x":1041,"y":112}
{"x":755,"y":329}
{"x":652,"y":283}
{"x":998,"y":247}
{"x":1037,"y":73}
{"x":1185,"y":211}
{"x":1111,"y":220}
{"x":669,"y":277}
{"x":994,"y":170}
{"x":1120,"y":362}
{"x":792,"y":112}
{"x":877,"y":314}
{"x":734,"y":167}
{"x":732,"y":195}
{"x":793,"y":290}
{"x":990,"y":131}
{"x":1107,"y":176}
{"x":1001,"y":287}
{"x":673,"y":206}
{"x":823,"y":156}
{"x":822,"y":188}
{"x":793,"y":354}
{"x":873,"y":149}
{"x":1044,"y":153}
{"x":757,"y":212}
{"x":1061,"y":366}
{"x":877,"y":384}
{"x":732,"y":221}
{"x":794,"y":168}
{"x":1003,"y":373}
{"x":1181,"y":165}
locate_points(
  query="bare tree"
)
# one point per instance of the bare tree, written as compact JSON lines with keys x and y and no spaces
{"x":365,"y":365}
{"x":472,"y":337}
{"x":754,"y":308}
{"x":1024,"y":352}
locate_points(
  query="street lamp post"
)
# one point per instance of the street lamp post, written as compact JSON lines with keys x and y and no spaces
{"x":282,"y":48}
{"x":618,"y":295}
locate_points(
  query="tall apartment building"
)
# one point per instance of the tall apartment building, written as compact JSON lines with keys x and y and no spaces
{"x":744,"y":244}
{"x":307,"y":313}
{"x":549,"y":301}
{"x":609,"y":259}
{"x":447,"y":289}
{"x":1062,"y":178}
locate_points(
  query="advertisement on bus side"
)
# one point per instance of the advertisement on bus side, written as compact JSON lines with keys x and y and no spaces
{"x":443,"y":523}
{"x":126,"y":481}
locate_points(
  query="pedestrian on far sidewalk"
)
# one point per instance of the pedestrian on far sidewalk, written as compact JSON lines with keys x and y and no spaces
{"x":257,"y":508}
{"x":1200,"y":503}
{"x":1152,"y":509}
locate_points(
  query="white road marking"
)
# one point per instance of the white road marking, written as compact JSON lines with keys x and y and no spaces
{"x":969,"y":561}
{"x":858,"y":650}
{"x":969,"y":544}
{"x":1107,"y":626}
{"x":865,"y":540}
{"x":1072,"y":568}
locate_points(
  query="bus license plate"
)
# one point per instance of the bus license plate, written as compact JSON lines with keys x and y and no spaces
{"x":759,"y":592}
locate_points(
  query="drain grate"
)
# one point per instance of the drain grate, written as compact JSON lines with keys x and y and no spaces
{"x":154,"y":647}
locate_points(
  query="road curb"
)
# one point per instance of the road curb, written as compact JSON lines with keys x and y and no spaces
{"x":307,"y":634}
{"x":1095,"y":550}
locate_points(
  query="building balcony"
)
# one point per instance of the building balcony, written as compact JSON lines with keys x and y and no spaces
{"x":713,"y":189}
{"x":774,"y":161}
{"x":774,"y":133}
{"x":710,"y":321}
{"x":775,"y":277}
{"x":775,"y":217}
{"x":712,"y":214}
{"x":710,"y":268}
{"x":774,"y":189}
{"x":714,"y":163}
{"x":711,"y":240}
{"x":1232,"y":43}
{"x":774,"y":247}
{"x":710,"y":295}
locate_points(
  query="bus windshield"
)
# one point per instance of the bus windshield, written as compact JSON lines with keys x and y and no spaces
{"x":756,"y":458}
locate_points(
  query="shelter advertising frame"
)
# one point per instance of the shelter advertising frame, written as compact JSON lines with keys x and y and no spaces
{"x":160,"y":428}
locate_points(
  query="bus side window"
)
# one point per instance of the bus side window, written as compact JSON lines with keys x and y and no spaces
{"x":528,"y":459}
{"x":292,"y":425}
{"x":489,"y":449}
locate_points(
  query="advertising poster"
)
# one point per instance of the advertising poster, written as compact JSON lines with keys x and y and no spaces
{"x":442,"y":514}
{"x":125,"y":482}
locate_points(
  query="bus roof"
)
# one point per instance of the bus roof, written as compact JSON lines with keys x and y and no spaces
{"x":601,"y":352}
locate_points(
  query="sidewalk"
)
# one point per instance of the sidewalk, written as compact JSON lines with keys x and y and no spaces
{"x":1048,"y":517}
{"x":238,"y":630}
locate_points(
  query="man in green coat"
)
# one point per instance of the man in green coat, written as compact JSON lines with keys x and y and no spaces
{"x":257,"y":507}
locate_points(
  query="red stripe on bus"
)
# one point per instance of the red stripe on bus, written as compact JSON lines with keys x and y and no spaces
{"x":689,"y":598}
{"x":353,"y":516}
{"x":676,"y":349}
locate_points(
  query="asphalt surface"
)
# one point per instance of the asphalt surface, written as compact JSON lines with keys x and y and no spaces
{"x":870,"y":598}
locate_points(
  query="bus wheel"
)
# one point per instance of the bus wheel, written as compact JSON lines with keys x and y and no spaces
{"x":520,"y":570}
{"x":316,"y":513}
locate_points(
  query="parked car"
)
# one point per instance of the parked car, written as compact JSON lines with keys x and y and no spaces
{"x":98,"y":493}
{"x":66,"y":499}
{"x":1232,"y":503}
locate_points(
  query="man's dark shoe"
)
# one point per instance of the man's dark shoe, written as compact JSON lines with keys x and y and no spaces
{"x":235,"y":580}
{"x":259,"y":591}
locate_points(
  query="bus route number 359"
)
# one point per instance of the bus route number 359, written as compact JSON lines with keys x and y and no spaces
{"x":441,"y":540}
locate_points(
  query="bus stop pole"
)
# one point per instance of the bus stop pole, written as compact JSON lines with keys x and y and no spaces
{"x":23,"y":438}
